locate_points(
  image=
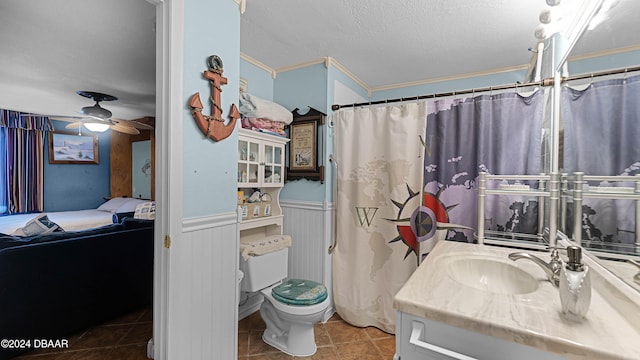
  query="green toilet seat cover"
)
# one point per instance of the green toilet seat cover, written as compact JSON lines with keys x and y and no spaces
{"x":299,"y":292}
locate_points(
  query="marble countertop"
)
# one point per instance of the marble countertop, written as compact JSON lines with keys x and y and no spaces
{"x":624,"y":270}
{"x":532,"y":319}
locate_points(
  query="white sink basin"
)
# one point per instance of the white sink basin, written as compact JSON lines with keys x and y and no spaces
{"x":491,"y":275}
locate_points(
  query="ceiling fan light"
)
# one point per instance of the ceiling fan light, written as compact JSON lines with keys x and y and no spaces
{"x":96,"y":111}
{"x":96,"y":127}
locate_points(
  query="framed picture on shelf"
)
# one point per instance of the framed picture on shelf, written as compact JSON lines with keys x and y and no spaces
{"x":71,"y":148}
{"x":303,"y":146}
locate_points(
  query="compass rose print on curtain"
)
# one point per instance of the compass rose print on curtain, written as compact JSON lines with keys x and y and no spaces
{"x":379,"y":152}
{"x":423,"y":222}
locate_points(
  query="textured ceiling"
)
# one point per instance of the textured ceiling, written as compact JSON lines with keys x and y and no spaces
{"x":53,"y":48}
{"x":385,"y":43}
{"x":390,"y":42}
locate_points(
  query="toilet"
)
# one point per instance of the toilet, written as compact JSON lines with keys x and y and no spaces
{"x":290,"y":308}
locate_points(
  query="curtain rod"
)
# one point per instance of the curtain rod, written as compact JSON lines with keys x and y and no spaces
{"x":543,"y":82}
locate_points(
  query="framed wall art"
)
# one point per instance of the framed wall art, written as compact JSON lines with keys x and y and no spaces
{"x":304,"y":132}
{"x":71,"y":148}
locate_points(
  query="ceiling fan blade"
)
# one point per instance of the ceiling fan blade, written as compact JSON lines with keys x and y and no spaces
{"x":139,"y":125}
{"x":74,"y":125}
{"x":133,"y":123}
{"x":125,"y":129}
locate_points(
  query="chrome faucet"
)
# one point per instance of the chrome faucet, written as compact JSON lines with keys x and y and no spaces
{"x":551,"y":269}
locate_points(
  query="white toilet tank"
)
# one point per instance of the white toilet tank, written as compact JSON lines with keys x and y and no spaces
{"x":264,"y":270}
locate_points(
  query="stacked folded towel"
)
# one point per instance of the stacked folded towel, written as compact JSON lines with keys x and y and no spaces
{"x":263,"y":246}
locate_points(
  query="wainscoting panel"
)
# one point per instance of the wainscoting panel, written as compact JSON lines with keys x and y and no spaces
{"x":311,"y":230}
{"x":203,"y":316}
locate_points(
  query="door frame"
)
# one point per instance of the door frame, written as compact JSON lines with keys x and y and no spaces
{"x":168,"y":168}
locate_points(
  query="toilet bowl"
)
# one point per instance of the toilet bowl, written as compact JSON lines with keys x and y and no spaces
{"x":290,"y":328}
{"x":290,"y":308}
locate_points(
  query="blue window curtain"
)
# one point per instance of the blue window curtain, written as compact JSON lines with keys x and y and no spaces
{"x":4,"y":189}
{"x":23,"y":162}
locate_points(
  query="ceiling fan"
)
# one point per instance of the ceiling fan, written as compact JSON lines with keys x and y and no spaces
{"x":98,"y":119}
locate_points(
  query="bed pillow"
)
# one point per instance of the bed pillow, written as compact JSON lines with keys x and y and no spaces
{"x":38,"y":225}
{"x":113,"y":204}
{"x":130,"y":205}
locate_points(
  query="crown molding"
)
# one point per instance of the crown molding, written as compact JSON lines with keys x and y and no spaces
{"x":302,"y":65}
{"x":329,"y":61}
{"x":344,"y":70}
{"x":451,"y":78}
{"x":257,"y":63}
{"x":242,"y":5}
{"x":605,"y":53}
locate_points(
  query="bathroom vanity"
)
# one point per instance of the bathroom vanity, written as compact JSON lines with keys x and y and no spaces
{"x":469,"y":301}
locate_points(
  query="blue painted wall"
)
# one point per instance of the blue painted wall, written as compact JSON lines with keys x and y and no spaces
{"x":209,"y":167}
{"x":260,"y":81}
{"x":510,"y":77}
{"x":303,"y":88}
{"x":616,"y":61}
{"x":77,"y":186}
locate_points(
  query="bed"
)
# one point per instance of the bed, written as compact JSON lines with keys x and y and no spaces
{"x":75,"y":220}
{"x":58,"y":284}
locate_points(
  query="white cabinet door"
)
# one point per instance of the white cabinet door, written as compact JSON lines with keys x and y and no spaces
{"x":260,"y":160}
{"x":273,"y":164}
{"x":249,"y":172}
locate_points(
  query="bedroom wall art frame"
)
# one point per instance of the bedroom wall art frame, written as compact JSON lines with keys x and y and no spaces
{"x":72,"y":148}
{"x":304,"y":132}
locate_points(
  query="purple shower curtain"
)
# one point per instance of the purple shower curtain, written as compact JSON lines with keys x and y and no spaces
{"x":602,"y":137}
{"x":498,"y":134}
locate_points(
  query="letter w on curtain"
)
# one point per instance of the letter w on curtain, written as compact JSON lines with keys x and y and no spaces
{"x":379,"y":152}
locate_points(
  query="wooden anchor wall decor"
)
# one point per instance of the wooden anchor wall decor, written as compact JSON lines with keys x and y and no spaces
{"x":213,"y":125}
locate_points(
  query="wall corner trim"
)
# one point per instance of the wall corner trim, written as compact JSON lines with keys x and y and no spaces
{"x":349,"y":74}
{"x":242,"y":5}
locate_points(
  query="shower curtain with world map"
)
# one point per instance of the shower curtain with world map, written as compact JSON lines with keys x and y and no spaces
{"x":398,"y":182}
{"x":379,"y":155}
{"x":602,"y":137}
{"x":497,"y":134}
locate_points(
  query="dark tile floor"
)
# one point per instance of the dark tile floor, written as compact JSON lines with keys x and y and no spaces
{"x":126,"y":339}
